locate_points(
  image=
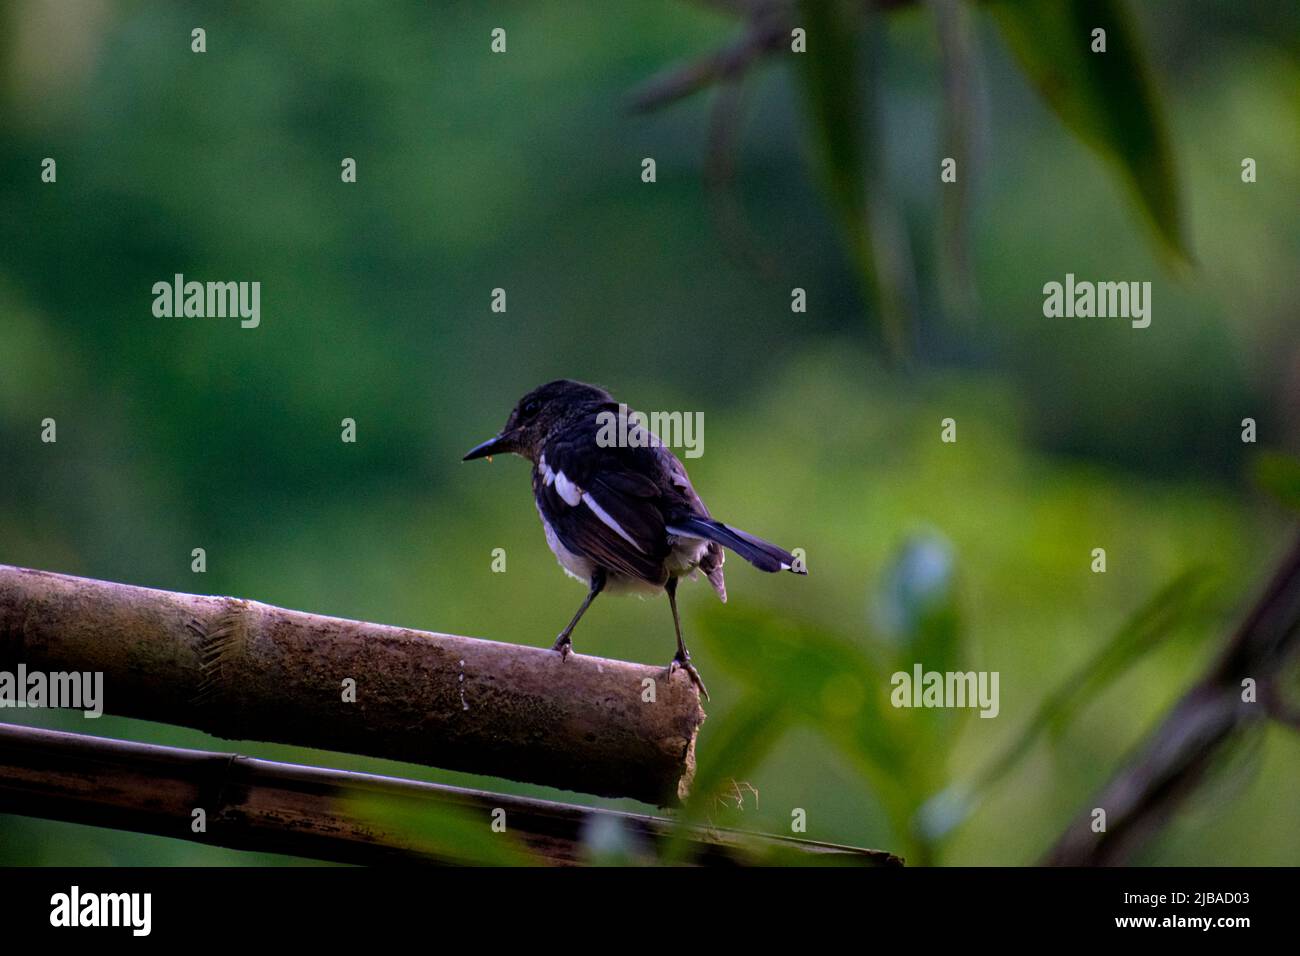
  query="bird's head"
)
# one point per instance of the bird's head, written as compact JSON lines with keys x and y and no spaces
{"x":538,"y":414}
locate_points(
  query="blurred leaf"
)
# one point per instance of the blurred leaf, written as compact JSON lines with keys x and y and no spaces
{"x":737,"y":743}
{"x":836,"y":103}
{"x":822,"y":679}
{"x":448,"y":833}
{"x":607,"y":840}
{"x":1279,"y":475}
{"x":963,"y":116}
{"x":831,"y":685}
{"x":944,"y":812}
{"x":839,"y":90}
{"x":1106,"y":99}
{"x":1173,"y":607}
{"x":916,"y":603}
{"x":916,"y":609}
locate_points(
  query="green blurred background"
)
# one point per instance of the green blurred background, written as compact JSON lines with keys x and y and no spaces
{"x":522,"y":171}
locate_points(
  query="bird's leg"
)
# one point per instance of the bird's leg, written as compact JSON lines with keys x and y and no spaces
{"x":564,"y":642}
{"x":683,"y":656}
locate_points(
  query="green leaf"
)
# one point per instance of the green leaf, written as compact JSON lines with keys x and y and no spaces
{"x":1279,"y":475}
{"x":916,"y":604}
{"x":839,"y":88}
{"x":448,"y":833}
{"x":1106,"y":99}
{"x":1173,"y":607}
{"x":829,"y":684}
{"x":737,"y":743}
{"x":821,"y":679}
{"x":836,"y":104}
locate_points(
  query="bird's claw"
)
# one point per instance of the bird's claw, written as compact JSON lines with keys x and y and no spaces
{"x":686,"y":665}
{"x":564,"y":645}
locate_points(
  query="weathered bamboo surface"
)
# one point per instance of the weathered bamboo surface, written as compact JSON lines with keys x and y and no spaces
{"x":242,"y":670}
{"x":344,"y":817}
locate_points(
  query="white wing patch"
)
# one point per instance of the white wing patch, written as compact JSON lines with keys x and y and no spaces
{"x":609,"y":521}
{"x":573,"y":496}
{"x":570,"y":492}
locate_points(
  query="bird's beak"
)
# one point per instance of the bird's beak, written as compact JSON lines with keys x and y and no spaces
{"x":501,"y":445}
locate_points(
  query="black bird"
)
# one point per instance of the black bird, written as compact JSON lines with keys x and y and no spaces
{"x":619,"y":517}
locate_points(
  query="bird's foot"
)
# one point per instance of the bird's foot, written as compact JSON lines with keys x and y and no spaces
{"x":683,"y":662}
{"x":563,"y":644}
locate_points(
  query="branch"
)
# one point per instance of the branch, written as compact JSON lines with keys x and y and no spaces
{"x":1143,"y":795}
{"x":247,"y":671}
{"x":766,"y":32}
{"x":311,"y":812}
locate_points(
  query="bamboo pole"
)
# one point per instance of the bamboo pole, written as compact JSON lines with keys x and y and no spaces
{"x":331,"y":815}
{"x":1144,"y":793}
{"x":242,"y":670}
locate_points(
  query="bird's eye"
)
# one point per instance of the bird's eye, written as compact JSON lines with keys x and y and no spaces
{"x":530,"y":408}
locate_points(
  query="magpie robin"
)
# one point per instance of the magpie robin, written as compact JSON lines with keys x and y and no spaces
{"x":619,"y":517}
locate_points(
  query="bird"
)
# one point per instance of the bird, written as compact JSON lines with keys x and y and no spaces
{"x":621,"y":516}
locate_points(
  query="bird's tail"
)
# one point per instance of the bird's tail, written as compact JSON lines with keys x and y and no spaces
{"x":761,"y":554}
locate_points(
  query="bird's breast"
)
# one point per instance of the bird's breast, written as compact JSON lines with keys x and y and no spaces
{"x":575,"y":564}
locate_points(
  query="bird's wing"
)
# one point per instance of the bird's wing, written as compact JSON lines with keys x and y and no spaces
{"x":604,"y":503}
{"x":680,"y":496}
